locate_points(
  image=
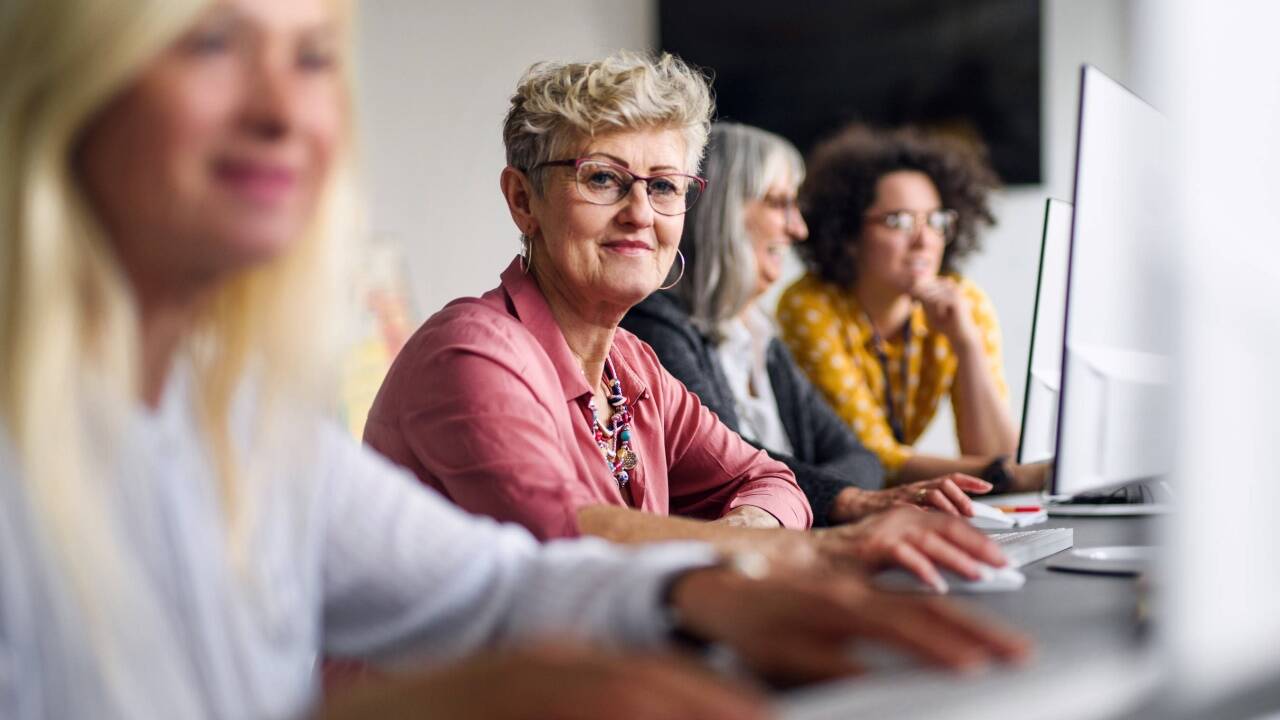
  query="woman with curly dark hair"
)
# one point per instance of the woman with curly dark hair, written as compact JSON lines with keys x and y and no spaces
{"x":883,"y":323}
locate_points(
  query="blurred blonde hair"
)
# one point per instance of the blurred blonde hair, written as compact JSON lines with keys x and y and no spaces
{"x":556,"y":105}
{"x":69,"y":335}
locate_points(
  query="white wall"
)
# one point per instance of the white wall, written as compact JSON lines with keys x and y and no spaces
{"x":435,"y":79}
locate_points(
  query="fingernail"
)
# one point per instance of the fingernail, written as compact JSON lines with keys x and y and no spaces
{"x":940,"y":585}
{"x":974,"y":665}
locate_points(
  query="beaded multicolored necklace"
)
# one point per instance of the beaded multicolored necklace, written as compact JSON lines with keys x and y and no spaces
{"x":615,"y":440}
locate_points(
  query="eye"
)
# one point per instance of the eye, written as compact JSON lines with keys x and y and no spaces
{"x":899,"y":221}
{"x":208,"y":42}
{"x":316,"y":59}
{"x":601,"y":178}
{"x":941,"y":220}
{"x":214,"y":35}
{"x":665,"y":186}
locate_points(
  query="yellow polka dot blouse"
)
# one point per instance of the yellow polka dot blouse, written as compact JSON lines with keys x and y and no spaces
{"x":833,"y":342}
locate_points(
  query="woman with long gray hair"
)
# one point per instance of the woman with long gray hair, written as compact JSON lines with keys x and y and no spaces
{"x":710,"y":332}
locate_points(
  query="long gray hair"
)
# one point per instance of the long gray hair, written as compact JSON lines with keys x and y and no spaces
{"x":720,"y":273}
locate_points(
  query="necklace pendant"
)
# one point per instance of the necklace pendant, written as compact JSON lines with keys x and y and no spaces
{"x":628,"y":459}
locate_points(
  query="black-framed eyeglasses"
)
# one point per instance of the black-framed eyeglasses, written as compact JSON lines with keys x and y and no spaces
{"x":603,"y":183}
{"x":943,"y":221}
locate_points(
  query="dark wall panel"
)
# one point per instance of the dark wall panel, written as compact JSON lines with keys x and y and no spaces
{"x":803,"y":69}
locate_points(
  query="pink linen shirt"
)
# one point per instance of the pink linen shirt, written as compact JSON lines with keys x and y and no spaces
{"x":487,"y":405}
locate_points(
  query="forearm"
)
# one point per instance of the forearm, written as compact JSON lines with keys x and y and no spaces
{"x":851,"y":505}
{"x":1026,"y":478}
{"x":745,"y":529}
{"x":924,"y":467}
{"x":984,"y":425}
{"x":624,"y":525}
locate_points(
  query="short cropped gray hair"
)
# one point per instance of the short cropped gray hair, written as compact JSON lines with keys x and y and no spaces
{"x":720,"y":264}
{"x":557,"y":105}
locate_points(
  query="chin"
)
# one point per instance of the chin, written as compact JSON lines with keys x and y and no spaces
{"x":630,"y":293}
{"x":250,"y":247}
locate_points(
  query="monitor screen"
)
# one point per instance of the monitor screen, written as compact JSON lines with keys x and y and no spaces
{"x":1114,"y":408}
{"x":1039,"y":434}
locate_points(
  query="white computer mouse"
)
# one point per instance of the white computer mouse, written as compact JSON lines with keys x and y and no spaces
{"x":993,"y":579}
{"x":990,"y":518}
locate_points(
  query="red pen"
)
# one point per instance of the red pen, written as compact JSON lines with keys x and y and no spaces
{"x":1018,"y":508}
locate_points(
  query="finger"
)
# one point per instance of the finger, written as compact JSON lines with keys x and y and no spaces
{"x":939,"y":289}
{"x":961,"y":534}
{"x":923,"y":287}
{"x":915,"y":561}
{"x":1003,"y":641}
{"x":946,"y":555}
{"x":938,"y":499}
{"x":957,"y":497}
{"x":677,"y":688}
{"x":925,"y":635}
{"x":970,"y":484}
{"x":794,"y":660}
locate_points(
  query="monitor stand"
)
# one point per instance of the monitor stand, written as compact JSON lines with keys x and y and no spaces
{"x":1143,"y":498}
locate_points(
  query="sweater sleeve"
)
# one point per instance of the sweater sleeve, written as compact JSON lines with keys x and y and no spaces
{"x":836,"y":448}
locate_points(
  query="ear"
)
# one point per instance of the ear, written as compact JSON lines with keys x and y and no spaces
{"x":517,"y":189}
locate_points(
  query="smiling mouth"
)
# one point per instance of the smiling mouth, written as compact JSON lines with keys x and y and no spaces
{"x":629,"y":247}
{"x":260,"y":182}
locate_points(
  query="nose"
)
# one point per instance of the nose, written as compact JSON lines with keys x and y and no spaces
{"x":921,"y":233}
{"x":636,"y":209}
{"x":797,"y":230}
{"x":269,"y":111}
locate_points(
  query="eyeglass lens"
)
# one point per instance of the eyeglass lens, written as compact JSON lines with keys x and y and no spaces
{"x":606,"y":184}
{"x":940,"y":221}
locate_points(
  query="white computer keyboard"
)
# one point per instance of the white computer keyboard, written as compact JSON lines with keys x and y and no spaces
{"x":1023,"y":547}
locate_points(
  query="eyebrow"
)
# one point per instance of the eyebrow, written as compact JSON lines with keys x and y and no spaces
{"x":325,"y":30}
{"x":322,"y":32}
{"x":619,"y":161}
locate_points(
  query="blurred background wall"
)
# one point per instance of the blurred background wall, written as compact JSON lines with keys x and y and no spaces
{"x":435,"y":79}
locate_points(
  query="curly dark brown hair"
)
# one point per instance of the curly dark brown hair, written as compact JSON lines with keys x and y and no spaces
{"x":840,"y":185}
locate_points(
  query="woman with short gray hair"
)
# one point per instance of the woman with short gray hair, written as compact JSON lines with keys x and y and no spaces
{"x":710,"y":334}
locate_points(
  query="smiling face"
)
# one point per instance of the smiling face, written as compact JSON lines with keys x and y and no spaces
{"x":893,"y":259}
{"x":773,"y":223}
{"x":615,"y":255}
{"x":214,"y":158}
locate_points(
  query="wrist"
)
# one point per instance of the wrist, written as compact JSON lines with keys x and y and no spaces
{"x":966,"y":343}
{"x":1000,"y":473}
{"x":750,"y":516}
{"x":849,"y":505}
{"x":691,"y":598}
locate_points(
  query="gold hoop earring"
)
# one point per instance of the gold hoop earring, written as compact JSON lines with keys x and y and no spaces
{"x":679,"y":255}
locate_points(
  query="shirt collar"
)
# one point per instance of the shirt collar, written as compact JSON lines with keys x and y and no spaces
{"x":532,"y":310}
{"x":534,"y":313}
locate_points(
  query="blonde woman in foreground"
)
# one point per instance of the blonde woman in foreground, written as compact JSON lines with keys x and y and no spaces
{"x":181,"y":533}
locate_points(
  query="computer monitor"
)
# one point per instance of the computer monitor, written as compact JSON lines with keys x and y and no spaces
{"x":1039,"y":435}
{"x":1114,"y":425}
